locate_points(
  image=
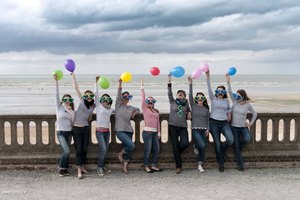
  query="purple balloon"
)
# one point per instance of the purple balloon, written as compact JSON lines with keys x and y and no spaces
{"x":70,"y":65}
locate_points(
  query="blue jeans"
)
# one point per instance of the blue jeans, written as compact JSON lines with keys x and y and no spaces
{"x":81,"y":142}
{"x":216,"y":128}
{"x":200,"y":142}
{"x":180,"y":141}
{"x":126,"y":138}
{"x":151,"y":142}
{"x":64,"y":139}
{"x":103,"y":142}
{"x":241,"y":138}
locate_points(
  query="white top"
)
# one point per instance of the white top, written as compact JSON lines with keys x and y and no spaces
{"x":103,"y":114}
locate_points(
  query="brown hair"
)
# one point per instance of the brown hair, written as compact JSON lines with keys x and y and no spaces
{"x":223,"y":87}
{"x":243,"y":93}
{"x":71,"y":104}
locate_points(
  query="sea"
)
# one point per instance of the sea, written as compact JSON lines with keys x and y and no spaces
{"x":35,"y":94}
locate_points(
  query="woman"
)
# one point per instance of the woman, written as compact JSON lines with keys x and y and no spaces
{"x":81,"y":127}
{"x":151,"y":132}
{"x":218,"y":123}
{"x":239,"y":126}
{"x":200,"y":122}
{"x":123,"y":128}
{"x":65,"y":116}
{"x":179,"y":113}
{"x":103,"y":113}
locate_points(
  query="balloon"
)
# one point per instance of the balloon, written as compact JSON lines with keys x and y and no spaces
{"x":197,"y":73}
{"x":70,"y":65}
{"x":232,"y":71}
{"x":126,"y":77}
{"x":154,"y":71}
{"x":204,"y":68}
{"x":103,"y":82}
{"x":59,"y":74}
{"x":177,"y":71}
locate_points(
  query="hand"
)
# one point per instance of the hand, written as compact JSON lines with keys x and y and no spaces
{"x":206,"y":133}
{"x":55,"y":77}
{"x":247,"y":125}
{"x":189,"y":115}
{"x":207,"y":74}
{"x":120,"y":83}
{"x":142,"y":82}
{"x":190,"y":79}
{"x":227,"y":78}
{"x":169,"y":78}
{"x":159,"y":136}
{"x":97,"y":78}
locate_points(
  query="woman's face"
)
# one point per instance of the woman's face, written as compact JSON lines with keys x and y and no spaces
{"x":150,"y":101}
{"x":200,"y":98}
{"x":220,"y":92}
{"x":67,"y":100}
{"x":180,"y":95}
{"x":88,"y":96}
{"x":126,"y":97}
{"x":105,"y":100}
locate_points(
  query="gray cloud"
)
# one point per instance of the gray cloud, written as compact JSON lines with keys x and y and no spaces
{"x":155,"y":27}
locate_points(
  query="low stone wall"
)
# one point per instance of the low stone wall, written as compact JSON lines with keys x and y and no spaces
{"x":30,"y":140}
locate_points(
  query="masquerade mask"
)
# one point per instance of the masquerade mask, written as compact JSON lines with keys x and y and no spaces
{"x":107,"y":99}
{"x":152,"y":101}
{"x":91,"y":96}
{"x":127,"y":97}
{"x":237,"y":97}
{"x":202,"y":98}
{"x":218,"y":92}
{"x":67,"y":99}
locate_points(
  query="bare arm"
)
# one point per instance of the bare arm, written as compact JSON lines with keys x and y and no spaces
{"x":144,"y":106}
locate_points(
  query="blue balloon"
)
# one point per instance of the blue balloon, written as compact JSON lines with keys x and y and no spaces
{"x":177,"y":71}
{"x":232,"y":71}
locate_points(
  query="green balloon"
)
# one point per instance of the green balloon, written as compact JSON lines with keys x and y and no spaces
{"x":59,"y":74}
{"x":103,"y":82}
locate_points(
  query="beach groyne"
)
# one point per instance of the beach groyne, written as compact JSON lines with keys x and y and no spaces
{"x":30,"y":140}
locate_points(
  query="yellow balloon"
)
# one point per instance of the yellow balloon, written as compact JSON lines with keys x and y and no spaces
{"x":126,"y":77}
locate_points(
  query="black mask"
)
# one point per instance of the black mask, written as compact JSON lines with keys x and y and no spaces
{"x":88,"y":104}
{"x":181,"y":102}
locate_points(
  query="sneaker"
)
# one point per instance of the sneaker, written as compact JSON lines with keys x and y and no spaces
{"x":100,"y":171}
{"x":106,"y":170}
{"x":61,"y":173}
{"x":221,"y":169}
{"x":241,"y":168}
{"x":200,"y":168}
{"x":178,"y":170}
{"x":66,"y":172}
{"x":196,"y":151}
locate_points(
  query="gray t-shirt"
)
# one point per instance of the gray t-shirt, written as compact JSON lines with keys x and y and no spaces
{"x":200,"y":114}
{"x":82,"y":114}
{"x":240,"y":111}
{"x":178,"y":113}
{"x":219,"y":107}
{"x":123,"y":114}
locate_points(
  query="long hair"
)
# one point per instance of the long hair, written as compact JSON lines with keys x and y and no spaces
{"x":71,"y":104}
{"x":205,"y":104}
{"x":153,"y":105}
{"x":243,"y":93}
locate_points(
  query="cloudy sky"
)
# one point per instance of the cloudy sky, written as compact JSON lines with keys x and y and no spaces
{"x":113,"y":36}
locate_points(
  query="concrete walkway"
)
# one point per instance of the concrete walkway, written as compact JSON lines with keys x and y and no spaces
{"x":251,"y":184}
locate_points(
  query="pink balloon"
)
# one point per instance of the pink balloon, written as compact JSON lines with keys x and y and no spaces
{"x":197,"y":73}
{"x":204,"y":68}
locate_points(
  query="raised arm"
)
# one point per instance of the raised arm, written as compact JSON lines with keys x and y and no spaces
{"x":97,"y":92}
{"x":144,"y":105}
{"x":119,"y":98}
{"x":210,"y":92}
{"x":191,"y":97}
{"x":229,"y":88}
{"x":170,"y":93}
{"x":57,"y":99}
{"x":75,"y":85}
